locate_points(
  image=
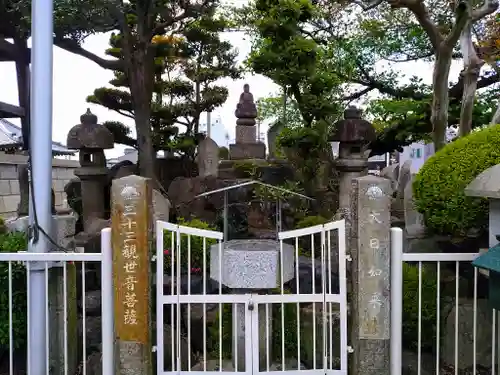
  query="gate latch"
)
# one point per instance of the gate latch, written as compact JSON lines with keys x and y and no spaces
{"x":250,"y":305}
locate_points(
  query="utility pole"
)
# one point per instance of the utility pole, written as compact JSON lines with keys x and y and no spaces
{"x":209,"y":124}
{"x":41,"y":171}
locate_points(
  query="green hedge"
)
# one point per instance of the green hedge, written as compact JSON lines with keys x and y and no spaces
{"x":13,"y":242}
{"x":410,"y":306}
{"x":439,"y":186}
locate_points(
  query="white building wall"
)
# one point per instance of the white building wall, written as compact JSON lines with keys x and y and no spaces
{"x":218,"y":131}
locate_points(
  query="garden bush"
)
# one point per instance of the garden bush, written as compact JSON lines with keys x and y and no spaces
{"x":310,"y":221}
{"x":194,"y":243}
{"x":410,"y":306}
{"x":13,"y":242}
{"x":439,"y":186}
{"x":305,"y":241}
{"x":290,"y":333}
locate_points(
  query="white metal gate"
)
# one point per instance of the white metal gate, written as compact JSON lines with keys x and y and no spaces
{"x":207,"y":327}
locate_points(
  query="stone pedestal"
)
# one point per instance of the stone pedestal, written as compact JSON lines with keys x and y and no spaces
{"x":93,"y":181}
{"x":241,"y":151}
{"x":246,"y":134}
{"x":250,"y":266}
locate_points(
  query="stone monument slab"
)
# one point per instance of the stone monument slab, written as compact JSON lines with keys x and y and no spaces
{"x":131,"y":227}
{"x":252,"y":264}
{"x":370,"y":202}
{"x":208,"y":158}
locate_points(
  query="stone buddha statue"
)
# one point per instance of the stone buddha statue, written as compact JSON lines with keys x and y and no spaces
{"x":246,"y":110}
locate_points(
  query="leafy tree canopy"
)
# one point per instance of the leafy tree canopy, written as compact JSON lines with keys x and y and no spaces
{"x":187,"y":66}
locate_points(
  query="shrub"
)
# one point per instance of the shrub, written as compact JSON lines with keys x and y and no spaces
{"x":439,"y":186}
{"x":310,"y":221}
{"x":305,"y":241}
{"x":194,"y":243}
{"x":410,"y":306}
{"x":13,"y":242}
{"x":290,"y":333}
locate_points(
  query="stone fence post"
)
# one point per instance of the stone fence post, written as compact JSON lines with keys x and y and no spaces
{"x":370,"y":272}
{"x":131,"y":225}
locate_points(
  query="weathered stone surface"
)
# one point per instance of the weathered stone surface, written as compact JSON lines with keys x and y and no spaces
{"x":391,"y":172}
{"x":161,"y":208}
{"x":246,"y":110}
{"x":169,"y":361}
{"x":397,"y":208}
{"x":353,"y":129}
{"x":246,"y":134}
{"x":208,"y":158}
{"x":272,"y":134}
{"x":310,"y":277}
{"x":131,"y":227}
{"x":240,"y":151}
{"x":414,"y":220}
{"x":252,"y":264}
{"x":183,"y":190}
{"x":370,"y":272}
{"x":465,"y":338}
{"x":89,"y":134}
{"x":403,"y":178}
{"x":311,"y":335}
{"x":412,"y":366}
{"x":486,"y":184}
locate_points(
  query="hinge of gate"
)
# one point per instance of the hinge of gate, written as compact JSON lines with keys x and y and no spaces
{"x":348,"y":258}
{"x":153,"y":349}
{"x":153,"y":258}
{"x":350,"y":349}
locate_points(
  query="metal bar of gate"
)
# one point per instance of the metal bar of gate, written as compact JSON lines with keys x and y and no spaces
{"x":396,"y":300}
{"x":107,"y":302}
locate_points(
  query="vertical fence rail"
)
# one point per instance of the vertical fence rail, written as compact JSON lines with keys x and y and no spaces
{"x":54,"y":333}
{"x":396,"y":300}
{"x":107,"y":305}
{"x":422,"y":260}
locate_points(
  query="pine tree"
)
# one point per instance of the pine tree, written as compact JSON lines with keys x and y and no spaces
{"x":187,"y":66}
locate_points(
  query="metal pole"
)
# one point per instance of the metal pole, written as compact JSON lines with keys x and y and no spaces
{"x":396,"y":300}
{"x":225,"y":215}
{"x":107,"y":305}
{"x":41,"y":163}
{"x":209,"y":124}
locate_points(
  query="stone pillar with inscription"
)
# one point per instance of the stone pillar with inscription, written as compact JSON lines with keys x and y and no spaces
{"x":131,"y":230}
{"x":370,"y":274}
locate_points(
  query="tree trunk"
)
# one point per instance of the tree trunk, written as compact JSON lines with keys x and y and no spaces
{"x":472,"y":67}
{"x":439,"y":108}
{"x":140,"y":75}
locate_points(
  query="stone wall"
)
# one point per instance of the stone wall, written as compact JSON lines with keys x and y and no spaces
{"x":62,"y":172}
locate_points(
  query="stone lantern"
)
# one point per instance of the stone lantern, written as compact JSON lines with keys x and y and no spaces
{"x":354,"y":136}
{"x":91,"y":139}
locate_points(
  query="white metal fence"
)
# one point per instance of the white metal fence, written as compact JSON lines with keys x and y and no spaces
{"x":300,"y":326}
{"x":19,"y":266}
{"x":446,"y":271}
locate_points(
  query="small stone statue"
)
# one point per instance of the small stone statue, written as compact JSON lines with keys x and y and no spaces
{"x":246,"y":110}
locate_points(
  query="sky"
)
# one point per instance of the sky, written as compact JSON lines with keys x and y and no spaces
{"x":75,"y":77}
